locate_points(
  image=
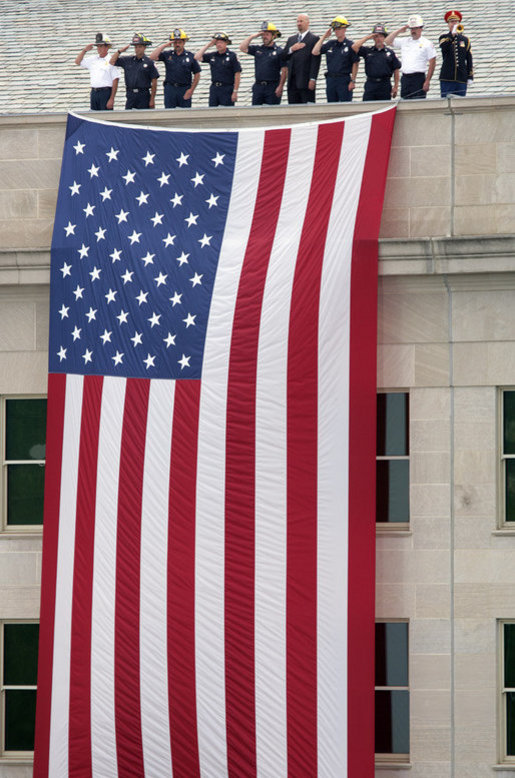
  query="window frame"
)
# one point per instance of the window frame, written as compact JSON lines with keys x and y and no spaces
{"x":396,"y":526}
{"x":5,"y":527}
{"x":11,"y":756}
{"x":389,"y":759}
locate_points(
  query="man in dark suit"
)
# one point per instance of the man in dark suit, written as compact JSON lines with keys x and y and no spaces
{"x":302,"y":66}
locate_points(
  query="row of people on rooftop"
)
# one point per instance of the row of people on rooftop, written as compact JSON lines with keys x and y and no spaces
{"x":296,"y":65}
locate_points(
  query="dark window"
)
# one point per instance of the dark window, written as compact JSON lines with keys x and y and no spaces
{"x":24,"y":460}
{"x":392,"y":689}
{"x":392,"y":465}
{"x":19,"y":679}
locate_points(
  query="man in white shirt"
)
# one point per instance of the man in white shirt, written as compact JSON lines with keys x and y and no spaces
{"x":418,"y":59}
{"x":104,"y":76}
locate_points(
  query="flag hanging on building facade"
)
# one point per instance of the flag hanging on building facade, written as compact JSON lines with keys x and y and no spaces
{"x":208,"y":562}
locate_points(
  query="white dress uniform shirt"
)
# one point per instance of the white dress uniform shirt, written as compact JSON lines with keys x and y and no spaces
{"x":101,"y":72}
{"x":415,"y":53}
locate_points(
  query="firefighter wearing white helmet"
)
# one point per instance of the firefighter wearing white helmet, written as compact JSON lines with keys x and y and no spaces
{"x":140,"y":73}
{"x":103,"y":76}
{"x":270,"y":71}
{"x":342,"y":61}
{"x":225,"y":70}
{"x":182,"y":71}
{"x":418,"y":58}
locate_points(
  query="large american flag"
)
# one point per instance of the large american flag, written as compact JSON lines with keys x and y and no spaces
{"x":208,"y":564}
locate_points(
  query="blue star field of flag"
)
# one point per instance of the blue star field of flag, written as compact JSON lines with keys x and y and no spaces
{"x":139,"y":224}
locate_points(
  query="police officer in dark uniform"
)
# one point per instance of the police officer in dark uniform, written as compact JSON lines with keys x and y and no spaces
{"x":342,"y":61}
{"x":140,"y":74}
{"x":380,"y":64}
{"x":225,"y":70}
{"x":182,"y":70}
{"x":457,"y":70}
{"x":269,"y":68}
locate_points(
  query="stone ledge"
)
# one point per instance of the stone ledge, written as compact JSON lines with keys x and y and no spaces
{"x":458,"y":256}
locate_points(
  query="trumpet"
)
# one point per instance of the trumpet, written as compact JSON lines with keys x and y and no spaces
{"x":460,"y":27}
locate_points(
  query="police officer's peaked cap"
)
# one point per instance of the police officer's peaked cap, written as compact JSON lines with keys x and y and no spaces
{"x":453,"y":16}
{"x":140,"y":40}
{"x":222,"y":36}
{"x":379,"y":29}
{"x":102,"y":40}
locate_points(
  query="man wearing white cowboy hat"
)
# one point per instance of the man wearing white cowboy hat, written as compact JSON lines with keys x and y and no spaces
{"x":104,"y":77}
{"x":418,"y":58}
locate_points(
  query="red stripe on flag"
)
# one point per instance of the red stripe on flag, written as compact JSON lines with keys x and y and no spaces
{"x":127,"y":603}
{"x":362,"y":451}
{"x":79,"y":737}
{"x":240,"y":463}
{"x":54,"y":449}
{"x":302,"y":424}
{"x":181,"y":581}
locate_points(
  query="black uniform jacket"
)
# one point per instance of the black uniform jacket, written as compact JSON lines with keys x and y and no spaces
{"x":301,"y":64}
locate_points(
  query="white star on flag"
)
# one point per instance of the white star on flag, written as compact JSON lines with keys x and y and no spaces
{"x":219,"y":159}
{"x":148,"y":159}
{"x":197,"y":179}
{"x":70,"y":229}
{"x":93,"y":170}
{"x":129,"y":177}
{"x":168,"y":241}
{"x":122,"y":216}
{"x":154,"y":319}
{"x":192,"y":219}
{"x":79,"y":147}
{"x":112,"y":154}
{"x":74,"y":188}
{"x":183,"y":159}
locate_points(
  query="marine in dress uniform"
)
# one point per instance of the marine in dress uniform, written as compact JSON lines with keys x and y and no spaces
{"x":140,"y":74}
{"x":342,"y":61}
{"x":380,"y":64}
{"x":457,"y":69}
{"x":302,"y":66}
{"x":418,"y":59}
{"x":269,"y":68}
{"x":182,"y":70}
{"x":104,"y":77}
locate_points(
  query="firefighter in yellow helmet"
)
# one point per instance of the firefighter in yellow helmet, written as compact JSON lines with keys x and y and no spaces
{"x":342,"y":61}
{"x":182,"y":71}
{"x":140,"y":73}
{"x":270,"y":70}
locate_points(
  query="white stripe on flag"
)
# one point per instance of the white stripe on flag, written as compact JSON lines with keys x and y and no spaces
{"x":155,"y":725}
{"x":210,"y":517}
{"x":103,"y":732}
{"x":333,"y":453}
{"x":271,"y":387}
{"x":58,"y":749}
